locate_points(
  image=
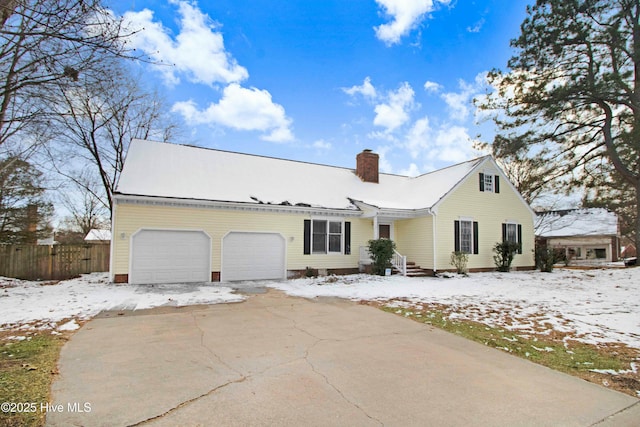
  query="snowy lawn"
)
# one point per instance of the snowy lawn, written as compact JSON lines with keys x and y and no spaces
{"x":600,"y":307}
{"x":592,"y":306}
{"x":38,"y":305}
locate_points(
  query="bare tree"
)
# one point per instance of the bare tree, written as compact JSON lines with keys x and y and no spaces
{"x":96,"y":121}
{"x":43,"y":43}
{"x":82,"y":199}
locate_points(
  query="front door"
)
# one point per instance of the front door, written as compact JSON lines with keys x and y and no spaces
{"x":384,"y":231}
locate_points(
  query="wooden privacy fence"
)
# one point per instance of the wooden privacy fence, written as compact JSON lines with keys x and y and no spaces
{"x":58,"y":262}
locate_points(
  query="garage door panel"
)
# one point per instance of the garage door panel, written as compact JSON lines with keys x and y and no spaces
{"x":253,"y":256}
{"x":166,"y":256}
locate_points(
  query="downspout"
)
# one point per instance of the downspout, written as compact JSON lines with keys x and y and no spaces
{"x":433,"y":223}
{"x":113,"y":240}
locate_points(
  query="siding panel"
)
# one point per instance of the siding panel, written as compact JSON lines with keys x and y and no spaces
{"x":414,"y":238}
{"x":130,"y":218}
{"x":490,"y":210}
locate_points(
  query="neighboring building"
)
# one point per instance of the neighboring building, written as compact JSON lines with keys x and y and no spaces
{"x":97,"y":236}
{"x":49,"y":241}
{"x":185,"y":214}
{"x":628,"y":251}
{"x":587,"y":235}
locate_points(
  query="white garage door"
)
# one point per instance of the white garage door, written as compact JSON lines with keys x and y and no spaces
{"x":165,"y":256}
{"x":253,"y":256}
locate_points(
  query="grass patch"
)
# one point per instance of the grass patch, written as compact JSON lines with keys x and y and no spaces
{"x":26,"y":371}
{"x":571,"y":357}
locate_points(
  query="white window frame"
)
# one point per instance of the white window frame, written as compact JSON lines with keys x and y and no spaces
{"x":488,"y":183}
{"x":462,"y":241}
{"x":326,"y":236}
{"x":510,"y":225}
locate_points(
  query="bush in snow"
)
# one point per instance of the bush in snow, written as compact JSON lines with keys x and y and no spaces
{"x":310,"y":272}
{"x":459,"y":260}
{"x":381,"y":251}
{"x":545,"y":258}
{"x":505,"y":251}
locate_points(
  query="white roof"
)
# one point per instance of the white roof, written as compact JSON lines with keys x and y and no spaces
{"x":96,"y":234}
{"x":185,"y":172}
{"x":577,"y":222}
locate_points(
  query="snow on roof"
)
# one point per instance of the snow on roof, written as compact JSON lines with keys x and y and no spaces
{"x":96,"y":234}
{"x":576,"y":222}
{"x":186,"y":172}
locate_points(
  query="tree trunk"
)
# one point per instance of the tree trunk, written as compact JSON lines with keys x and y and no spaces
{"x":6,"y":10}
{"x":637,"y":225}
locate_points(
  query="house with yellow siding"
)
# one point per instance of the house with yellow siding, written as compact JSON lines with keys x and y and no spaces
{"x":190,"y":214}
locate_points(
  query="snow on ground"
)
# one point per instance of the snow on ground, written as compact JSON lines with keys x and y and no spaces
{"x":44,"y":305}
{"x":594,"y":306}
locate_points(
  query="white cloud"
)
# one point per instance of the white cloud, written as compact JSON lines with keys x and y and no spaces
{"x":453,"y":144}
{"x":366,"y":89}
{"x":426,"y":142}
{"x":382,"y":136}
{"x":432,"y":87}
{"x":446,"y":143}
{"x":197,"y":52}
{"x":418,"y":137}
{"x":477,"y":27}
{"x":412,"y":170}
{"x":395,"y":112}
{"x":405,"y":16}
{"x":242,"y":109}
{"x":460,"y":103}
{"x":383,"y":163}
{"x":321,"y":144}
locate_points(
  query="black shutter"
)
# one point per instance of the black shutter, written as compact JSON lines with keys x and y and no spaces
{"x":475,"y":237}
{"x":504,"y":232}
{"x":347,"y":238}
{"x":481,"y":182}
{"x":496,"y":185}
{"x":456,"y":235}
{"x":307,"y":237}
{"x":519,"y":238}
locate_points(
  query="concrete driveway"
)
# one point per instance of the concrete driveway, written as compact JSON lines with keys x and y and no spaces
{"x":278,"y":360}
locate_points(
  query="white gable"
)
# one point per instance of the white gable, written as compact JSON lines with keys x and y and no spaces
{"x":184,"y":172}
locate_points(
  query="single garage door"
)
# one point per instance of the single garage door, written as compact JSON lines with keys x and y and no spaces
{"x":253,"y":256}
{"x":167,"y":256}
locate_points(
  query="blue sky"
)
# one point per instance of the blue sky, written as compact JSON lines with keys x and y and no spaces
{"x":322,"y":80}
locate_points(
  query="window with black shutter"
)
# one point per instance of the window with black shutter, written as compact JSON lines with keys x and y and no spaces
{"x":466,"y":236}
{"x":489,"y":183}
{"x":326,"y":236}
{"x":512,"y":232}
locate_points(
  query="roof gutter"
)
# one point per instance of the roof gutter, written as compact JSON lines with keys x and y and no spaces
{"x":121,"y":199}
{"x":370,"y":211}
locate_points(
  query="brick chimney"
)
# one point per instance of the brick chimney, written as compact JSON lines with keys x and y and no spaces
{"x":367,"y":166}
{"x":32,"y":223}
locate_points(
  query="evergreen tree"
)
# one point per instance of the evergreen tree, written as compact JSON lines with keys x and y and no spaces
{"x":24,"y":211}
{"x":572,"y":95}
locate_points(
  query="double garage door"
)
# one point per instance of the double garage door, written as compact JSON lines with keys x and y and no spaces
{"x":167,"y":256}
